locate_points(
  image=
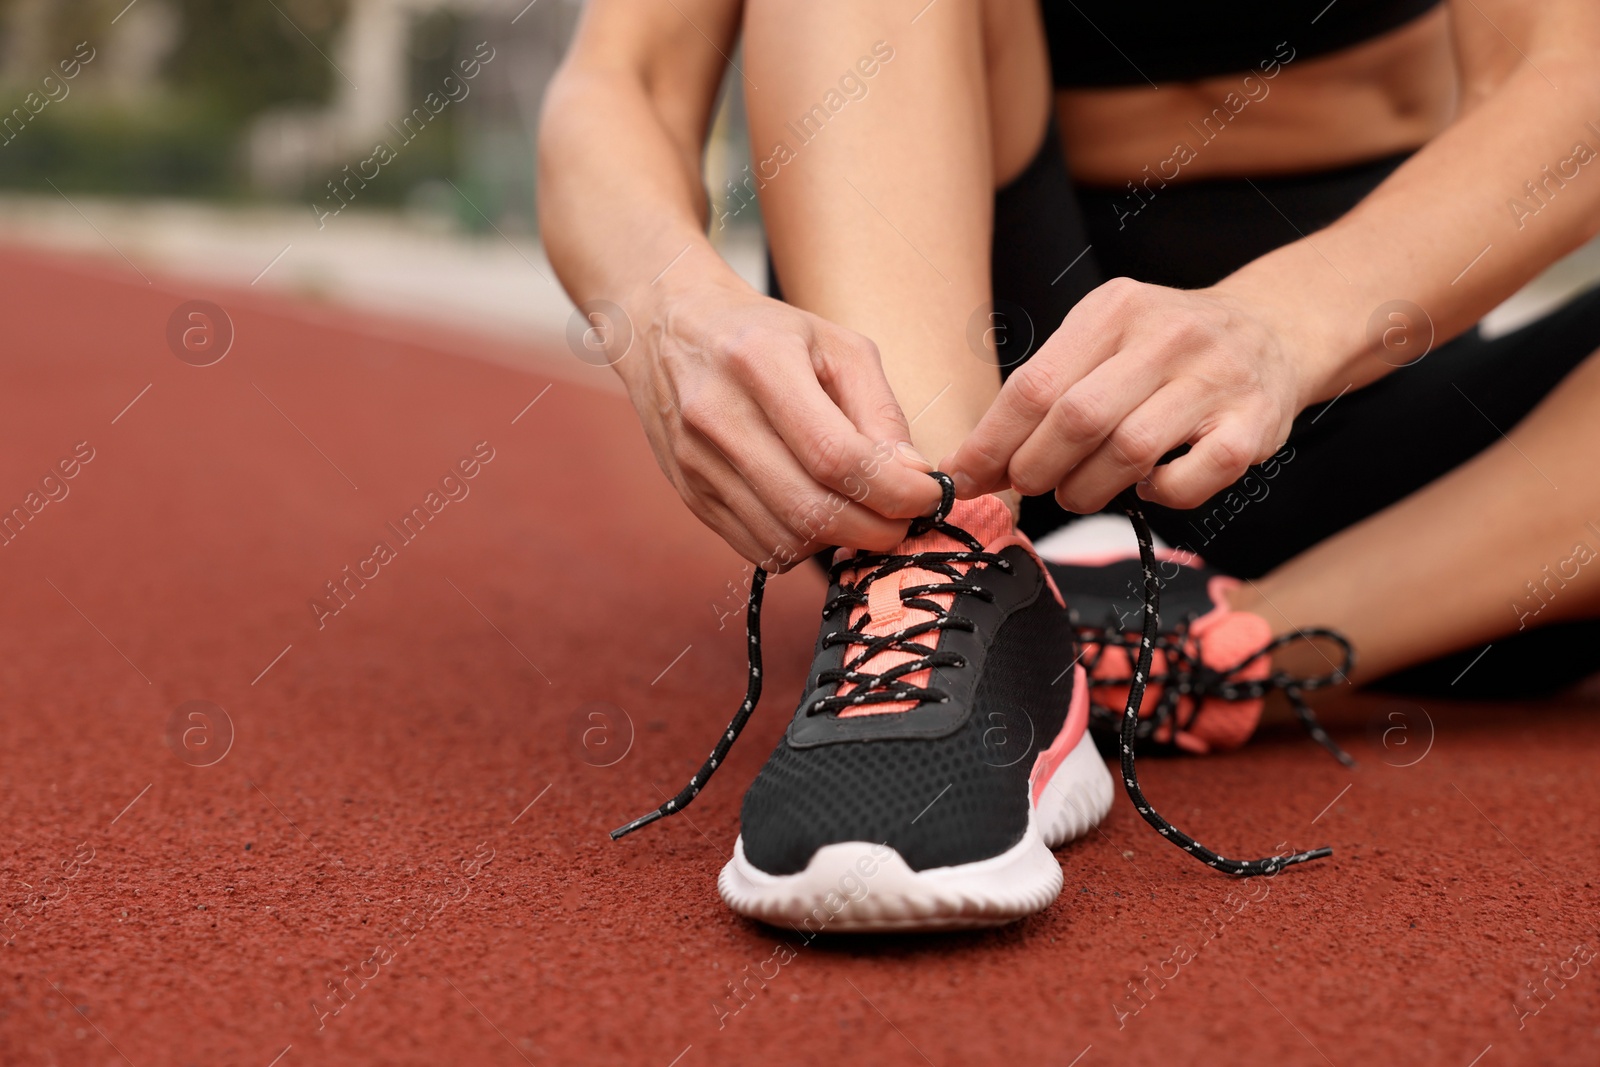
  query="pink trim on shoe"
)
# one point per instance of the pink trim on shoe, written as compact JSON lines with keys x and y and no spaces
{"x":1218,"y":589}
{"x":1224,"y":637}
{"x":1044,"y":767}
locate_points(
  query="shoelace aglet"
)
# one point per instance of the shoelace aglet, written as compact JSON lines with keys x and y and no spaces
{"x":643,"y":820}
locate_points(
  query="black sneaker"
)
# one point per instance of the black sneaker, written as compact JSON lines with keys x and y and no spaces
{"x":939,"y":753}
{"x":1211,"y":667}
{"x":930,"y":768}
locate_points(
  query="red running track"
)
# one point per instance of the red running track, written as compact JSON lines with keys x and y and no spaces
{"x":408,"y":796}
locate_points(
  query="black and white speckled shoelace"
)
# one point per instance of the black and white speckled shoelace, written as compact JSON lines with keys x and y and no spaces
{"x":894,"y":690}
{"x":890,"y":686}
{"x":1185,"y":675}
{"x":870,"y":688}
{"x":1130,"y":722}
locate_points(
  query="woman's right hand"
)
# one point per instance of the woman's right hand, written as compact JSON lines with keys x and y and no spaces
{"x":777,"y":427}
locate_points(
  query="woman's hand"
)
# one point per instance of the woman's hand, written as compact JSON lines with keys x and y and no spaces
{"x":778,"y":428}
{"x":1133,"y":372}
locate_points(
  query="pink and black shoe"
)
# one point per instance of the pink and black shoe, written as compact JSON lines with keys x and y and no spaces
{"x":1211,"y":667}
{"x":941,"y":749}
{"x":931,"y":765}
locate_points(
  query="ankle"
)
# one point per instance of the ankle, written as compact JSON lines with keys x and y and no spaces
{"x":1246,"y":596}
{"x":1307,"y":658}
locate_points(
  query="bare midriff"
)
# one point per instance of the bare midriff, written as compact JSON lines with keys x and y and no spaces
{"x":1289,"y":115}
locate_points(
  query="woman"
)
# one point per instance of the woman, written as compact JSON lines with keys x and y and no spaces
{"x":1262,"y":221}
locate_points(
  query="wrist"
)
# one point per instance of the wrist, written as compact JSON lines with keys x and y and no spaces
{"x":649,"y":304}
{"x":1308,"y":320}
{"x":690,"y":272}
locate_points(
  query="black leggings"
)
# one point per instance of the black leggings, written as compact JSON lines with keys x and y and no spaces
{"x":1054,"y":242}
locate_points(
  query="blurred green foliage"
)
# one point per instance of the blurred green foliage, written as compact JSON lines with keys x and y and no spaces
{"x":232,"y":60}
{"x":242,"y":56}
{"x":171,"y":150}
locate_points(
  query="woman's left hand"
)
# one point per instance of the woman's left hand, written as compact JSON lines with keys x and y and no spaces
{"x":1133,"y":372}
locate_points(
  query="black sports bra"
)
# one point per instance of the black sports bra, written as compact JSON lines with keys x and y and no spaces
{"x":1124,"y":42}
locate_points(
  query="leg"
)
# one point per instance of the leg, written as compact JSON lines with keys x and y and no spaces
{"x":1497,"y":545}
{"x":881,"y":219}
{"x":864,"y":229}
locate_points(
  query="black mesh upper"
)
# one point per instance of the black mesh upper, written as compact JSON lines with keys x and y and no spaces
{"x":881,"y":790}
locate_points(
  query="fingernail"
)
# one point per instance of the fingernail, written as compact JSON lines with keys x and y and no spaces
{"x":909,"y":451}
{"x":1145,"y":490}
{"x":965,"y":486}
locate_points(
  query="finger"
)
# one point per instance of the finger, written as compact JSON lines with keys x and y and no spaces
{"x":725,"y":523}
{"x":1079,"y":423}
{"x":804,"y":509}
{"x":718,"y":496}
{"x":1086,"y":339}
{"x":828,"y":520}
{"x":850,"y":371}
{"x":785,"y":384}
{"x":1133,"y":448}
{"x":1217,"y":460}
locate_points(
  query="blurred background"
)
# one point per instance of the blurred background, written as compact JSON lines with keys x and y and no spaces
{"x":236,"y":141}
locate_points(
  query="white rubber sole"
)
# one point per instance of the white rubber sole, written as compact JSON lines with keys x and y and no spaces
{"x":860,"y":886}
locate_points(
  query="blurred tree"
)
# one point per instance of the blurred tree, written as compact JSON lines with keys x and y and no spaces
{"x":227,"y":61}
{"x":180,"y":87}
{"x":233,"y":58}
{"x":240,"y":58}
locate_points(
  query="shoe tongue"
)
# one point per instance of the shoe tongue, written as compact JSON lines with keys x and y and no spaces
{"x":987,"y":519}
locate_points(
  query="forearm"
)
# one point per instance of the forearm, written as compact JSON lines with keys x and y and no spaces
{"x":1443,"y":232}
{"x":620,"y":199}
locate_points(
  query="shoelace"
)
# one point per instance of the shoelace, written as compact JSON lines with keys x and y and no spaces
{"x":870,"y":688}
{"x":889,"y":683}
{"x":889,"y":686}
{"x":1130,"y":722}
{"x":1187,"y":676}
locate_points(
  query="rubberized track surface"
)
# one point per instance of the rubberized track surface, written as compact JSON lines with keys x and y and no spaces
{"x":414,"y":792}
